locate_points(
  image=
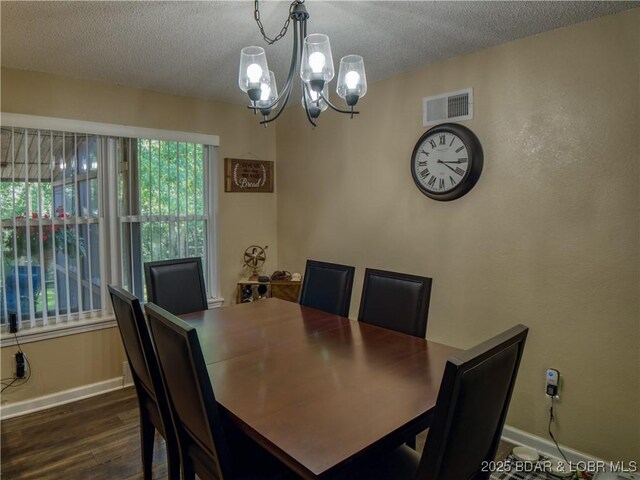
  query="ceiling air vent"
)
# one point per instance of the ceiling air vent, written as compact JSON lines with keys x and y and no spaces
{"x":448,"y":106}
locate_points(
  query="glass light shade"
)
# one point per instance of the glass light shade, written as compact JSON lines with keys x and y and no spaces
{"x":317,"y":62}
{"x":268,"y":93}
{"x":253,"y":70}
{"x":352,"y":79}
{"x":316,"y":107}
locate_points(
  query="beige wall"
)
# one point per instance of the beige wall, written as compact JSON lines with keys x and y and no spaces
{"x":549,"y":237}
{"x":243,"y":218}
{"x":66,"y":362}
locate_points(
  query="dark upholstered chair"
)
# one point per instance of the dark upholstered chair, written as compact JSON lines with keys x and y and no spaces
{"x":396,"y":301}
{"x":327,"y":287}
{"x":468,"y":417}
{"x":176,"y":285}
{"x":206,"y":446}
{"x":152,"y":400}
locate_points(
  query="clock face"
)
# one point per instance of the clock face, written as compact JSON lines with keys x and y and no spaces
{"x":442,"y":162}
{"x":446,"y":162}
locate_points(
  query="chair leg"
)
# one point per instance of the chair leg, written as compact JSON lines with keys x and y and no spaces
{"x":173,"y":464}
{"x":147,"y":437}
{"x":188,"y":473}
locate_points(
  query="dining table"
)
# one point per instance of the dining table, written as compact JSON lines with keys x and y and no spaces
{"x":318,"y":391}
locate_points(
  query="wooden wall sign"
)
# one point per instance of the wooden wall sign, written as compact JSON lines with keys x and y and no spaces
{"x":248,"y":175}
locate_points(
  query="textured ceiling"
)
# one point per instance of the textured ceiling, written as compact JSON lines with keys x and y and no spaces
{"x":193,"y":48}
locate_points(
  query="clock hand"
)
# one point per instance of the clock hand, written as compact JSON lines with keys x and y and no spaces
{"x":445,"y":164}
{"x":452,"y":161}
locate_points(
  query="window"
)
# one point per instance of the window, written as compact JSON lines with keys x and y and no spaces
{"x":163,"y":205}
{"x":71,"y":203}
{"x":51,"y":220}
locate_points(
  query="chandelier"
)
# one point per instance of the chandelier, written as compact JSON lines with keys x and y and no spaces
{"x":315,"y":66}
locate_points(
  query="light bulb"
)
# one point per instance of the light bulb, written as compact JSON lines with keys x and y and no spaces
{"x":351,"y":79}
{"x":254,"y":72}
{"x":316,"y":62}
{"x":265,"y":91}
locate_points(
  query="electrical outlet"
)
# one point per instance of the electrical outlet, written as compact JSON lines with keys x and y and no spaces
{"x":127,"y":379}
{"x":552,"y":387}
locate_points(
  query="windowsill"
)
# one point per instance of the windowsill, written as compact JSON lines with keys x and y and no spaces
{"x":37,"y":334}
{"x":215,"y":302}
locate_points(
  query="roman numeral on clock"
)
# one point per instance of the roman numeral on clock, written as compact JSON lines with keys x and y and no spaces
{"x":443,"y":139}
{"x":453,"y":182}
{"x":459,"y":171}
{"x":424,"y":173}
{"x":432,"y":181}
{"x":425,"y":152}
{"x":458,"y":150}
{"x":433,"y":143}
{"x":441,"y":184}
{"x":422,"y":163}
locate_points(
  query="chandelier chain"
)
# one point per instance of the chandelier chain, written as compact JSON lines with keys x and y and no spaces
{"x":283,"y":31}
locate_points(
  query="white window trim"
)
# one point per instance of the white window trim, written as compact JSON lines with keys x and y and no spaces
{"x":213,"y":280}
{"x":107,"y":320}
{"x":37,"y":334}
{"x":108,"y":129}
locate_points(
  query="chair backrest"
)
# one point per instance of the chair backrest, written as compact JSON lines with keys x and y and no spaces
{"x":192,"y":402}
{"x":327,"y":287}
{"x":472,"y":407}
{"x":396,"y":301}
{"x":143,"y":362}
{"x":136,"y":339}
{"x":176,"y":285}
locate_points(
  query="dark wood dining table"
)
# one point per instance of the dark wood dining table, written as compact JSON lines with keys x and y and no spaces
{"x":318,"y":390}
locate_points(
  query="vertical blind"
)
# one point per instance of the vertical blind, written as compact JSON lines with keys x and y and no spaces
{"x":59,"y":191}
{"x":50,"y":194}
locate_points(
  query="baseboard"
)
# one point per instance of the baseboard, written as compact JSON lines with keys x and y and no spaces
{"x":544,"y":446}
{"x":59,"y":398}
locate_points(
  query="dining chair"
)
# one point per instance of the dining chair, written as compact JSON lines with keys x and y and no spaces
{"x":206,"y":445}
{"x":468,"y":417}
{"x":176,"y":285}
{"x":327,"y":286}
{"x":397,"y":301}
{"x":152,"y":400}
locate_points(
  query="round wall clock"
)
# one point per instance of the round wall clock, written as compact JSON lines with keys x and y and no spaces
{"x":446,"y":162}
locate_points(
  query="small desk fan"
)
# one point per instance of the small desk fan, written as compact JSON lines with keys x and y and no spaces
{"x":254,"y":258}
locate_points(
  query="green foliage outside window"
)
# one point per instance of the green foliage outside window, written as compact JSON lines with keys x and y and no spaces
{"x":171,"y":184}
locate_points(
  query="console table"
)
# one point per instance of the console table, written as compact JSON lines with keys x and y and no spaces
{"x":250,"y":291}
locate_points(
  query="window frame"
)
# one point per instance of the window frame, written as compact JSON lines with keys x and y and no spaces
{"x":110,"y":252}
{"x":132,"y":216}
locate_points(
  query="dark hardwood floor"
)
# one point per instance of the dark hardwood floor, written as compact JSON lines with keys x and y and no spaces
{"x":97,"y":438}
